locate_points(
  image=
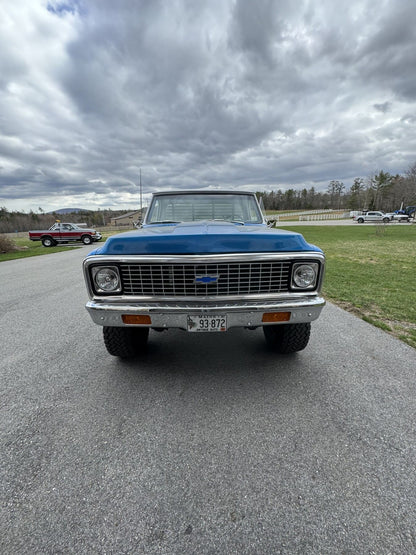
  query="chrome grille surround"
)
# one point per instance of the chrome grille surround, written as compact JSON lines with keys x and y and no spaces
{"x":251,"y":275}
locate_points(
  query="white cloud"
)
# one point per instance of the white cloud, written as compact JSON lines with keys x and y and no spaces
{"x":225,"y":93}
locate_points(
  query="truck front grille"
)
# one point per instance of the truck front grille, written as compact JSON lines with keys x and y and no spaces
{"x":201,"y":280}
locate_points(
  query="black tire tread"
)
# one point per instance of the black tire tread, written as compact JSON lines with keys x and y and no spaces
{"x":287,"y":338}
{"x":125,"y":342}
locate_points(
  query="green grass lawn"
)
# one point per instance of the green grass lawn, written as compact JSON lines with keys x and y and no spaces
{"x":32,"y":248}
{"x":371,"y":271}
{"x":35,"y":248}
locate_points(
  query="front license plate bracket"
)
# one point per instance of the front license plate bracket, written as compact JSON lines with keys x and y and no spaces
{"x":207,"y":322}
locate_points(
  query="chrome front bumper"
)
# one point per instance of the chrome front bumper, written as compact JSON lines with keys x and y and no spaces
{"x":174,"y":315}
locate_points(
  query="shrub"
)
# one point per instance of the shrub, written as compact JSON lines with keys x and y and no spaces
{"x":6,"y":244}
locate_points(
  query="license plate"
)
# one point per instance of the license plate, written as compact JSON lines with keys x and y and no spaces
{"x":207,"y":322}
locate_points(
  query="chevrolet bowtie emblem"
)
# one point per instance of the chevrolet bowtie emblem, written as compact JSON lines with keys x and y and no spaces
{"x":203,"y":280}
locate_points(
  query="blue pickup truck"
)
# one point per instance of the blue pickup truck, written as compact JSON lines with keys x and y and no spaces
{"x":204,"y":262}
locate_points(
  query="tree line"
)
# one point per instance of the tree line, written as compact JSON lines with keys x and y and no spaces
{"x":23,"y":221}
{"x":380,"y":191}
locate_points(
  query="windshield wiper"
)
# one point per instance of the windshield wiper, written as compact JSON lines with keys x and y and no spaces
{"x":240,"y":222}
{"x":164,"y":222}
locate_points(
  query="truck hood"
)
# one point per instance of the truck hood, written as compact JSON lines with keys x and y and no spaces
{"x":204,"y":238}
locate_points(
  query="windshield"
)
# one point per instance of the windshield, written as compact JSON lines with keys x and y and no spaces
{"x":176,"y":208}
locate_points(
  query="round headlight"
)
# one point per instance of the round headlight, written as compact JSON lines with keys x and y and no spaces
{"x":304,"y":275}
{"x":106,"y":279}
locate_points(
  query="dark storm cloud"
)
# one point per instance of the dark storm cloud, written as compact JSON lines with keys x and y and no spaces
{"x":226,"y":92}
{"x":384,"y":107}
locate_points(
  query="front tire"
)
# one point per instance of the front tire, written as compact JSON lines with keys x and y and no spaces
{"x":125,"y":342}
{"x":287,"y":338}
{"x":360,"y":220}
{"x":86,"y":239}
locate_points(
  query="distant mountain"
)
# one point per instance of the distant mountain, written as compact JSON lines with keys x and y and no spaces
{"x":68,"y":211}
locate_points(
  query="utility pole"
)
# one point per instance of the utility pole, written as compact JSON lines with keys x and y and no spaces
{"x":141,"y":195}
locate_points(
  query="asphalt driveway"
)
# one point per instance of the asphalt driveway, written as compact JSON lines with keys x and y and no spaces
{"x":206,"y":444}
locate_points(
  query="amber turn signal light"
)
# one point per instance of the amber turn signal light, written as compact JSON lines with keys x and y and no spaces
{"x":272,"y":317}
{"x":136,"y":319}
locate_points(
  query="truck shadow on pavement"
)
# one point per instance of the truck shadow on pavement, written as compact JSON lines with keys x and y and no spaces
{"x":237,"y":352}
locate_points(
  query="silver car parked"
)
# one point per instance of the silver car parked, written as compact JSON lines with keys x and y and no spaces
{"x":374,"y":216}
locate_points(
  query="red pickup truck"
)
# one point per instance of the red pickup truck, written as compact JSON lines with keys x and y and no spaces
{"x":65,"y":233}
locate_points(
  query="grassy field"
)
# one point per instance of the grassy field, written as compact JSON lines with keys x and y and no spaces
{"x":371,"y":271}
{"x":26,"y":247}
{"x":31,"y":248}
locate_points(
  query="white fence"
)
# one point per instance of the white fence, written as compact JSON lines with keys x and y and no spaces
{"x":315,"y":217}
{"x":310,"y":215}
{"x":276,"y":217}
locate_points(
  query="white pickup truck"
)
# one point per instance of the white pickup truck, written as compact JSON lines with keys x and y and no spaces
{"x":378,"y":216}
{"x":374,"y":216}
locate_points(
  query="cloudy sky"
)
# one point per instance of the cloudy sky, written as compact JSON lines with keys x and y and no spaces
{"x":249,"y":94}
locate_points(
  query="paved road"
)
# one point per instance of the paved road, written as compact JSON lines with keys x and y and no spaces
{"x":340,"y":222}
{"x":209,"y":444}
